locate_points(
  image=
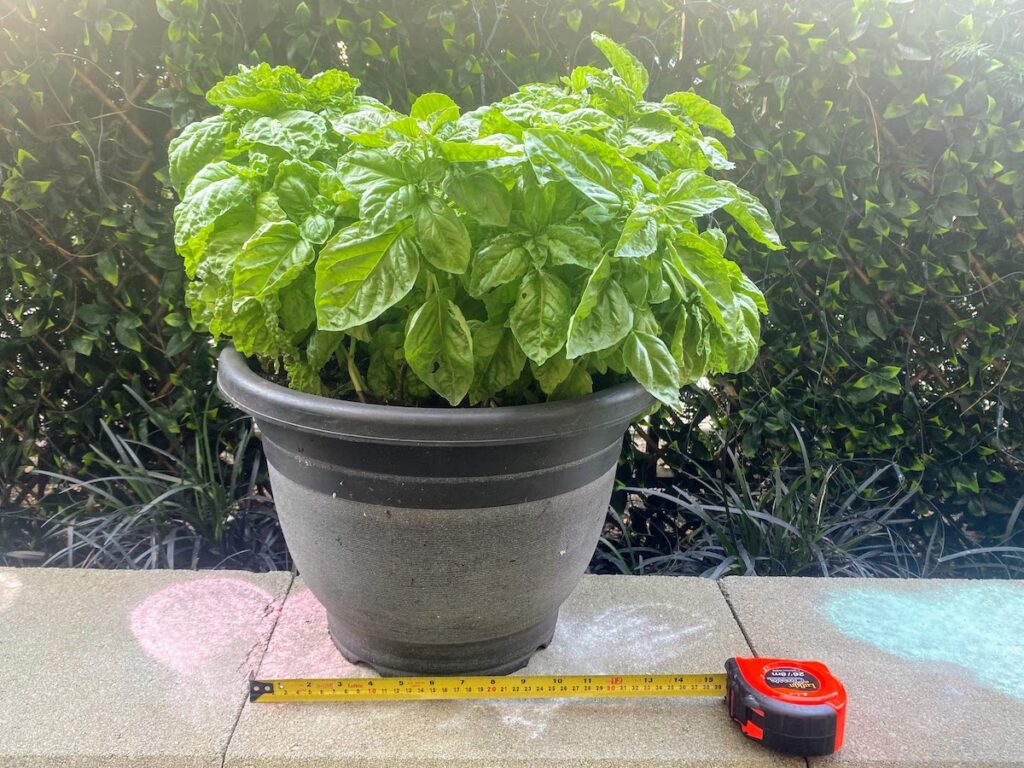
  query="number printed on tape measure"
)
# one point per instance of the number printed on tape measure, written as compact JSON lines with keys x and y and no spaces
{"x":533,"y":687}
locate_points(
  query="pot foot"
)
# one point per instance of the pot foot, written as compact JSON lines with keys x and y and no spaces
{"x":547,"y":642}
{"x":350,"y":657}
{"x":391,"y":658}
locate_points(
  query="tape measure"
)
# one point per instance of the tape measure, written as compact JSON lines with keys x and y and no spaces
{"x":792,"y":706}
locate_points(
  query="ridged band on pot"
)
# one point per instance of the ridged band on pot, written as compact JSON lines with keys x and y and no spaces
{"x":438,"y":537}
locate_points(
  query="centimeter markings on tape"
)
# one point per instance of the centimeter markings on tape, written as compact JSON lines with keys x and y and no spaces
{"x":534,"y":687}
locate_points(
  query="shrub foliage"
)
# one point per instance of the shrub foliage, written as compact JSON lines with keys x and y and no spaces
{"x":887,"y":140}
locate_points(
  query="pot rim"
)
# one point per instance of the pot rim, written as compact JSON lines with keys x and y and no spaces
{"x":270,"y":402}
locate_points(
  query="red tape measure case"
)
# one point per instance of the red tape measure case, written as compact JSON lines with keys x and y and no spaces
{"x":792,"y":706}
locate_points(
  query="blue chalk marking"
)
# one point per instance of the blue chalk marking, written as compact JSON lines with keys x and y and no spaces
{"x":979,"y":627}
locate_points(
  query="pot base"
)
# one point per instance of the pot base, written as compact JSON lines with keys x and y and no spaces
{"x":391,"y":658}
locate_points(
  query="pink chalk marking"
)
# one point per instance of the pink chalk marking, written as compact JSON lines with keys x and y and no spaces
{"x":301,"y":645}
{"x":189,"y":625}
{"x":10,"y":586}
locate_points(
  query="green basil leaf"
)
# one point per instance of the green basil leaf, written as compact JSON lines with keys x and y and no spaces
{"x":364,"y":127}
{"x":405,"y":127}
{"x":481,"y":195}
{"x":386,"y":355}
{"x":429,"y":104}
{"x":317,"y":228}
{"x":608,"y":92}
{"x":255,"y":330}
{"x":502,"y":260}
{"x":571,"y":245}
{"x":297,"y":311}
{"x":701,"y":111}
{"x":198,"y":144}
{"x":297,"y":133}
{"x":632,"y":276}
{"x":268,"y":209}
{"x":580,"y":77}
{"x":741,"y":284}
{"x":296,"y":187}
{"x":538,"y":200}
{"x":494,"y":122}
{"x":691,"y":193}
{"x":270,"y":260}
{"x":752,"y":216}
{"x":537,"y":247}
{"x":626,"y":65}
{"x":215,"y":190}
{"x":303,"y":377}
{"x":658,"y":289}
{"x":639,"y":236}
{"x":465,"y":152}
{"x":439,"y":348}
{"x":442,"y":236}
{"x":497,"y":361}
{"x":322,"y":345}
{"x":262,"y":88}
{"x":363,"y":168}
{"x":540,"y":317}
{"x":435,"y":109}
{"x":690,"y":345}
{"x":714,"y":153}
{"x":602,"y":318}
{"x":650,"y":132}
{"x":569,"y":158}
{"x":728,"y":296}
{"x":733,"y":347}
{"x":694,"y":261}
{"x":552,"y":372}
{"x":332,"y":188}
{"x":332,"y":89}
{"x":358,"y":277}
{"x":645,"y":321}
{"x":584,"y":119}
{"x":652,"y":365}
{"x":219,"y":244}
{"x":386,"y":203}
{"x":577,"y":384}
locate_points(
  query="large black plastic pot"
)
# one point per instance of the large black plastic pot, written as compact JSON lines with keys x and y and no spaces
{"x":439,"y":540}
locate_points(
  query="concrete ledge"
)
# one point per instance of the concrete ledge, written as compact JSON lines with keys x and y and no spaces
{"x":116,"y":669}
{"x":609,"y":624}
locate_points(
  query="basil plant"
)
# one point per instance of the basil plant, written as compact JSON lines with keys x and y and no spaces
{"x":555,"y":242}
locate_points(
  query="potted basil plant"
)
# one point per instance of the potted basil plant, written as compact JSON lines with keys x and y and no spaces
{"x":554,"y":261}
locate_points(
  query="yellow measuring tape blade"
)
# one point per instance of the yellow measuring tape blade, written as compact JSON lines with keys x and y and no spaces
{"x":535,"y":687}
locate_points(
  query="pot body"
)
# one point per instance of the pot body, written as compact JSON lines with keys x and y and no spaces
{"x":440,"y":541}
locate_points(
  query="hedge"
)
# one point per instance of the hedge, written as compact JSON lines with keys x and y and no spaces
{"x":886,"y":137}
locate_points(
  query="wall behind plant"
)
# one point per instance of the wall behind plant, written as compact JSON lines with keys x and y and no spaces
{"x":886,"y":136}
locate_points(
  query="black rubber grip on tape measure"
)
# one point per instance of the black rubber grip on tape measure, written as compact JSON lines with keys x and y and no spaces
{"x":799,"y":729}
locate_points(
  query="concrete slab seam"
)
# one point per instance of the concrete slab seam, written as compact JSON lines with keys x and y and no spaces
{"x":256,"y":666}
{"x":736,"y":616}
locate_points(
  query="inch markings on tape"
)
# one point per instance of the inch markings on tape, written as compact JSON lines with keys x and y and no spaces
{"x":511,"y":687}
{"x":792,"y":706}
